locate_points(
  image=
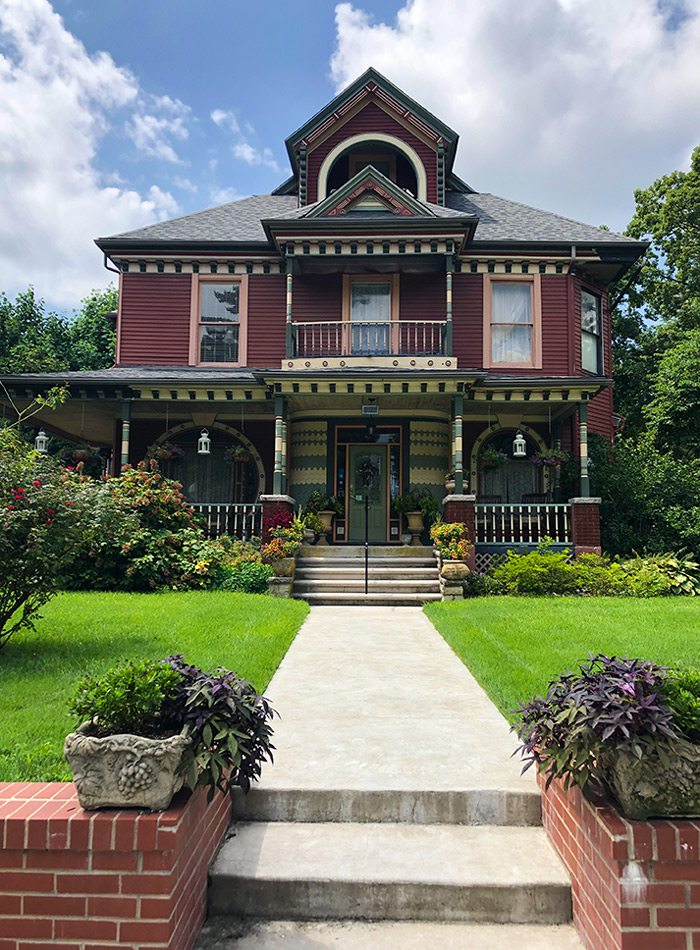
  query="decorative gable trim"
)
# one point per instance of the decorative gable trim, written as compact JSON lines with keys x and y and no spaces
{"x":369,"y":180}
{"x":410,"y":153}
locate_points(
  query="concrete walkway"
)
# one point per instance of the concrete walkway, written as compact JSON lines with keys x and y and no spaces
{"x":393,"y":798}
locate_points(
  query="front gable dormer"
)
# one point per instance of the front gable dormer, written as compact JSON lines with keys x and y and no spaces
{"x":372,"y":123}
{"x":369,"y":192}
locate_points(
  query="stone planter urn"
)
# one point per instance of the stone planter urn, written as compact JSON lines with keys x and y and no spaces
{"x":124,"y":771}
{"x":450,"y":486}
{"x":647,"y":787}
{"x":454,"y":572}
{"x":327,"y":521}
{"x":284,"y":566}
{"x":415,"y":525}
{"x":309,"y":536}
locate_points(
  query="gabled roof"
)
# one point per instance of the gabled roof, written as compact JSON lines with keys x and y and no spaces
{"x":372,"y":82}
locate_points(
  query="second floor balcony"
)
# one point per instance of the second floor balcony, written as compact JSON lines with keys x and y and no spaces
{"x":361,"y":338}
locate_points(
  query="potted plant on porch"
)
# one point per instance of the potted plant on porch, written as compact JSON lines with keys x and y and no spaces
{"x":624,"y":724}
{"x":149,"y":728}
{"x":492,"y":458}
{"x":331,"y":507}
{"x":451,"y":541}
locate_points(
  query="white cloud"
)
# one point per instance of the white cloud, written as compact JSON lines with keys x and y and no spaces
{"x":253,"y":156}
{"x":151,"y":134}
{"x":56,"y":102}
{"x":565,"y":105}
{"x":225,"y":120}
{"x":184,"y":184}
{"x":222,"y":196}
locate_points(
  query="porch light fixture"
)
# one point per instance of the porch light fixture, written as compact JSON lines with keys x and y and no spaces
{"x":41,"y":443}
{"x":519,"y":446}
{"x":204,"y":443}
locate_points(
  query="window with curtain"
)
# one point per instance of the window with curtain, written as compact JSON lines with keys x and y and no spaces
{"x":511,"y":322}
{"x":219,"y":321}
{"x":590,"y":332}
{"x":370,"y":308}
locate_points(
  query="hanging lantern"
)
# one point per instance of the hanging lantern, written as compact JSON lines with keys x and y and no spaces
{"x":204,"y":443}
{"x":519,"y":446}
{"x":41,"y":443}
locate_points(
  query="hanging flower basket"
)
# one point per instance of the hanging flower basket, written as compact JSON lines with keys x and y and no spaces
{"x":550,"y":458}
{"x":165,"y":451}
{"x":492,"y":458}
{"x":83,"y":453}
{"x":237,"y":453}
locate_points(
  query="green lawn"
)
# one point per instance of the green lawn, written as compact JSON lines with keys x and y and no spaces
{"x":515,"y":645}
{"x":82,"y":633}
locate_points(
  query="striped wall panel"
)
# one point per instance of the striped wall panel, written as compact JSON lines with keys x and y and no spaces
{"x":429,"y":456}
{"x":307,"y":459}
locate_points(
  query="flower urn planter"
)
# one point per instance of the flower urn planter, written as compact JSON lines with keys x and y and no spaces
{"x":125,"y":771}
{"x":648,"y":787}
{"x":415,"y":525}
{"x":327,"y":522}
{"x":454,"y":572}
{"x":450,"y":486}
{"x":284,"y":566}
{"x":309,"y":536}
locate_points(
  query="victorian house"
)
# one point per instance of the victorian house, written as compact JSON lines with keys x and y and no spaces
{"x":374,"y":310}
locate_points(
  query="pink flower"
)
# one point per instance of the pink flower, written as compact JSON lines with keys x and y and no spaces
{"x":36,"y":484}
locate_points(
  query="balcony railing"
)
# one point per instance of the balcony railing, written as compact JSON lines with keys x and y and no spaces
{"x":334,"y":338}
{"x":240,"y":521}
{"x":510,"y":525}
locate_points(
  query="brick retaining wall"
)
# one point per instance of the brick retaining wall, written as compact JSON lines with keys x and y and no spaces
{"x":636,"y":884}
{"x":113,"y":879}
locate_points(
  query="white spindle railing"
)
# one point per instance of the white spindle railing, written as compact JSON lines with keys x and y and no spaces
{"x":240,"y":521}
{"x":522,"y":524}
{"x":363,"y":338}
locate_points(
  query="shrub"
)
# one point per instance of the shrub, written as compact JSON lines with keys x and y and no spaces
{"x":40,"y":524}
{"x":539,"y":572}
{"x":249,"y":577}
{"x":135,"y":698}
{"x":608,"y":703}
{"x":450,"y":538}
{"x":680,"y":573}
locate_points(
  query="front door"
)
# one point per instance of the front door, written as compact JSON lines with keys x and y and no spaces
{"x":367,"y":468}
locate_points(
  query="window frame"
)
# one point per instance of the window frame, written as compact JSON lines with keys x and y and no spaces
{"x":196,"y":324}
{"x":348,"y":281}
{"x":357,"y":161}
{"x":535,"y":361}
{"x":600,"y":368}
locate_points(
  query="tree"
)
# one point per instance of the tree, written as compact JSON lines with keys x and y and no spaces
{"x":662,"y":302}
{"x":33,"y":340}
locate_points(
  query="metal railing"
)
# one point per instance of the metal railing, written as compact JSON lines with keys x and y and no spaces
{"x":358,"y":338}
{"x":522,"y":524}
{"x":240,"y":521}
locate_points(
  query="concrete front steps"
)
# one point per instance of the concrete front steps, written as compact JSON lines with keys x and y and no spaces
{"x":398,"y":575}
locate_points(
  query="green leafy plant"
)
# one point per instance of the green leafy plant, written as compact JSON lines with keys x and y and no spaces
{"x":402,"y":504}
{"x":334,"y":504}
{"x":607,"y":704}
{"x":681,"y":691}
{"x":491,"y":457}
{"x":315,"y":501}
{"x":277,"y":549}
{"x":249,"y":577}
{"x":134,"y":698}
{"x":550,"y":458}
{"x":314,"y":523}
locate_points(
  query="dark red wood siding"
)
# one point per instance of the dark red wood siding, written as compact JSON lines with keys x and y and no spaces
{"x":600,"y":414}
{"x":155,"y":320}
{"x":371,"y":119}
{"x":317,"y":297}
{"x":266,"y":320}
{"x":555,"y":326}
{"x":422,"y":297}
{"x":468,"y":319}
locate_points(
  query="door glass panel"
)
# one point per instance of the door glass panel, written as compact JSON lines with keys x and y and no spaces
{"x":370,"y":308}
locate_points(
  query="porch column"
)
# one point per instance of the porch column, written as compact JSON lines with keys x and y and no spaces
{"x":585,"y":525}
{"x":280,"y":469}
{"x":584,"y":483}
{"x":447,"y":344}
{"x":457,"y":459}
{"x":290,"y":329}
{"x":126,"y":432}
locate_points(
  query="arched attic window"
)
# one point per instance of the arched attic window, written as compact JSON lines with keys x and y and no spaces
{"x":393,"y":158}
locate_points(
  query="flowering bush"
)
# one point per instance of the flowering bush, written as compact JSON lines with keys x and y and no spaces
{"x":41,"y":517}
{"x":491,"y":457}
{"x":450,"y":538}
{"x":278,"y":548}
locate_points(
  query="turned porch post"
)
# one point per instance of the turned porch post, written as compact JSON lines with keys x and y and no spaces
{"x":584,"y":483}
{"x":447,"y":346}
{"x":279,"y":475}
{"x":457,"y":456}
{"x":290,"y":329}
{"x":126,"y":432}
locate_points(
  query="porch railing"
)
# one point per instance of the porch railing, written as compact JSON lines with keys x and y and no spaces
{"x":522,"y":524}
{"x":358,"y":338}
{"x":239,"y":521}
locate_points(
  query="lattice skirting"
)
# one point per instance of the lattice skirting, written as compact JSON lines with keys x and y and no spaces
{"x":484,"y":561}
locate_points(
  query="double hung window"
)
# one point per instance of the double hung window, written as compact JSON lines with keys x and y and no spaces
{"x":591,"y":350}
{"x":218,"y":321}
{"x":512,"y":323}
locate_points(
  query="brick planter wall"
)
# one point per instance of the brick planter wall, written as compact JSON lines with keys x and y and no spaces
{"x":636,"y":884}
{"x":127,"y":879}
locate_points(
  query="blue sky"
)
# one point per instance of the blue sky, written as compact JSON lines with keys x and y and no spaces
{"x":115,"y":115}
